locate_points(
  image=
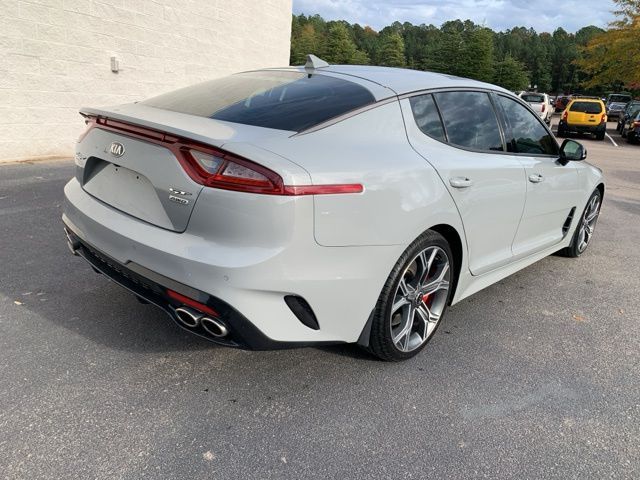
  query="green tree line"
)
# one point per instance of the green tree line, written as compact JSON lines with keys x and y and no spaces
{"x":515,"y":59}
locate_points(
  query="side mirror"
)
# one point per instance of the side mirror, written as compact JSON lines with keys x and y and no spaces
{"x":572,"y":151}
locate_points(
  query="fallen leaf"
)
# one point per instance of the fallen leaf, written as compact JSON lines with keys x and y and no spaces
{"x":208,"y":456}
{"x":621,"y":311}
{"x":17,"y":302}
{"x":579,"y":318}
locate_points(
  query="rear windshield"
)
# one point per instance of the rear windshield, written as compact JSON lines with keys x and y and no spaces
{"x":586,"y":107}
{"x":282,"y":100}
{"x":619,"y":98}
{"x":532,"y":98}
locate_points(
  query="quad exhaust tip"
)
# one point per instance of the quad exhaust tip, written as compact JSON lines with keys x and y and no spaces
{"x":188,"y":317}
{"x":214,"y":327}
{"x":192,"y":318}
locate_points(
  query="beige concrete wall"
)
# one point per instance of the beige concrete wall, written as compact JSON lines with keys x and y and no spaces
{"x":55,"y":58}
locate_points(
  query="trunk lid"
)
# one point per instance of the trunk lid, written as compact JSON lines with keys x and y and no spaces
{"x":139,"y":174}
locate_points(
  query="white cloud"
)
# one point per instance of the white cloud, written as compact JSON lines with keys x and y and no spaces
{"x":542,"y":15}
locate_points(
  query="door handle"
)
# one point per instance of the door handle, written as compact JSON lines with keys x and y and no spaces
{"x":460,"y":182}
{"x":536,"y":178}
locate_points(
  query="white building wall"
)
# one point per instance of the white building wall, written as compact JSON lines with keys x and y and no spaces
{"x":55,"y":58}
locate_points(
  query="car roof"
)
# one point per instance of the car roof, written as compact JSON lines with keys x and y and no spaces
{"x":400,"y":80}
{"x":586,"y":99}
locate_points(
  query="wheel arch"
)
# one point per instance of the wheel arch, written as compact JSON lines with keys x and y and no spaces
{"x":454,"y":240}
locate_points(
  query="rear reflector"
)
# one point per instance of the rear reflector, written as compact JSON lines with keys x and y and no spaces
{"x":323,"y":189}
{"x":216,"y":168}
{"x":184,"y":300}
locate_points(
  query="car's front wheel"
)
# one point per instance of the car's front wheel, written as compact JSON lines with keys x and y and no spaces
{"x":413,"y":300}
{"x":586,"y":227}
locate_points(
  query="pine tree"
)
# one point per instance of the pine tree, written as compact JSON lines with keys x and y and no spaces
{"x":305,"y":43}
{"x":391,"y":52}
{"x":340,"y":47}
{"x":510,"y":74}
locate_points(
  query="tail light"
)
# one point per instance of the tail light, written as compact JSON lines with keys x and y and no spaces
{"x":212,"y":167}
{"x":603,"y":118}
{"x":636,"y":124}
{"x":544,"y":107}
{"x":565,"y":115}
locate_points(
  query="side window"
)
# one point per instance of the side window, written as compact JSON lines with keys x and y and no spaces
{"x":470,"y":120}
{"x":528,"y":134}
{"x":427,"y":116}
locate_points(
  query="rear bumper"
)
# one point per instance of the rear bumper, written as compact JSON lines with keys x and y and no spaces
{"x":153,"y":288}
{"x":247,"y":280}
{"x":599,"y":128}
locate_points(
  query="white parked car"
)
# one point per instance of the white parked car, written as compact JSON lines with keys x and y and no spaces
{"x":324,"y":204}
{"x":540,"y":103}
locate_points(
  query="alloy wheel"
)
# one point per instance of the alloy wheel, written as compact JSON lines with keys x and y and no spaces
{"x":420,"y":299}
{"x":588,"y":223}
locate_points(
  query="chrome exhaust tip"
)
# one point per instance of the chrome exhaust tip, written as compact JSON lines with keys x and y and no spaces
{"x":214,"y":327}
{"x":188,"y":317}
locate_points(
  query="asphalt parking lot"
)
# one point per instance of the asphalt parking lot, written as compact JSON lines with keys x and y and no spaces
{"x":534,"y":377}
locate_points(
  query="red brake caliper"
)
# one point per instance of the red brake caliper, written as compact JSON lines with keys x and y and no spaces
{"x":425,"y":298}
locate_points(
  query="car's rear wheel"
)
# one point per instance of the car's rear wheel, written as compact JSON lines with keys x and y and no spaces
{"x":414,"y":298}
{"x":586,"y":227}
{"x":600,"y":135}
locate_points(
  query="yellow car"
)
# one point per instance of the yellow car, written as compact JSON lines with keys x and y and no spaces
{"x":584,"y":115}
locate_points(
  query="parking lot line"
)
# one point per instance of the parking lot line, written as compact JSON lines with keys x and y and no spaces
{"x":612,"y":140}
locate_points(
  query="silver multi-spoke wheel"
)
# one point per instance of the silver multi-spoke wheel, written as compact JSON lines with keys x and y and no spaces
{"x":588,"y":224}
{"x":420,"y":299}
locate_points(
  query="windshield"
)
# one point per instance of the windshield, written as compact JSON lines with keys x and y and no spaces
{"x":533,"y":98}
{"x":272,"y":99}
{"x":619,"y":98}
{"x":586,"y":107}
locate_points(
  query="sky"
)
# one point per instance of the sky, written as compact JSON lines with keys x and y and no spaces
{"x":542,"y":15}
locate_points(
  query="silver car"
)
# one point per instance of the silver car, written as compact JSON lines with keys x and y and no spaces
{"x":324,"y":204}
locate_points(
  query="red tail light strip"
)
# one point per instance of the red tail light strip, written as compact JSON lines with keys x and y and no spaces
{"x":192,"y":303}
{"x":268,"y":181}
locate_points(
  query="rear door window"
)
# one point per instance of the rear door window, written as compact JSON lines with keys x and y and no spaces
{"x":528,"y":135}
{"x":470,"y":120}
{"x":427,"y":117}
{"x":282,"y":100}
{"x":586,"y":107}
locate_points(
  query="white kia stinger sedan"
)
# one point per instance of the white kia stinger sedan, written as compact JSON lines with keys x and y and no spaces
{"x":324,"y":204}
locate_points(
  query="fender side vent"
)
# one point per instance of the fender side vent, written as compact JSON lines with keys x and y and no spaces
{"x":302,"y":310}
{"x":567,"y":222}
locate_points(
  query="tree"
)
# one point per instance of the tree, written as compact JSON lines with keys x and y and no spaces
{"x":510,"y":74}
{"x":305,"y":43}
{"x":477,"y":52}
{"x":341,"y":48}
{"x":391,"y":52}
{"x":613,"y":57}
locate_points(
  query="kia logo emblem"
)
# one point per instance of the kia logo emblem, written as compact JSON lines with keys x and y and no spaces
{"x":116,"y":149}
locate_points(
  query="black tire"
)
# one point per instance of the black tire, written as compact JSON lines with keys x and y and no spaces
{"x":381,"y":343}
{"x":573,"y":250}
{"x":600,"y":135}
{"x":562,"y":132}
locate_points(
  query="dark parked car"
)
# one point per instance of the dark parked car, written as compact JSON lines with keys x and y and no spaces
{"x":631,"y":128}
{"x":629,"y":108}
{"x":615,"y":104}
